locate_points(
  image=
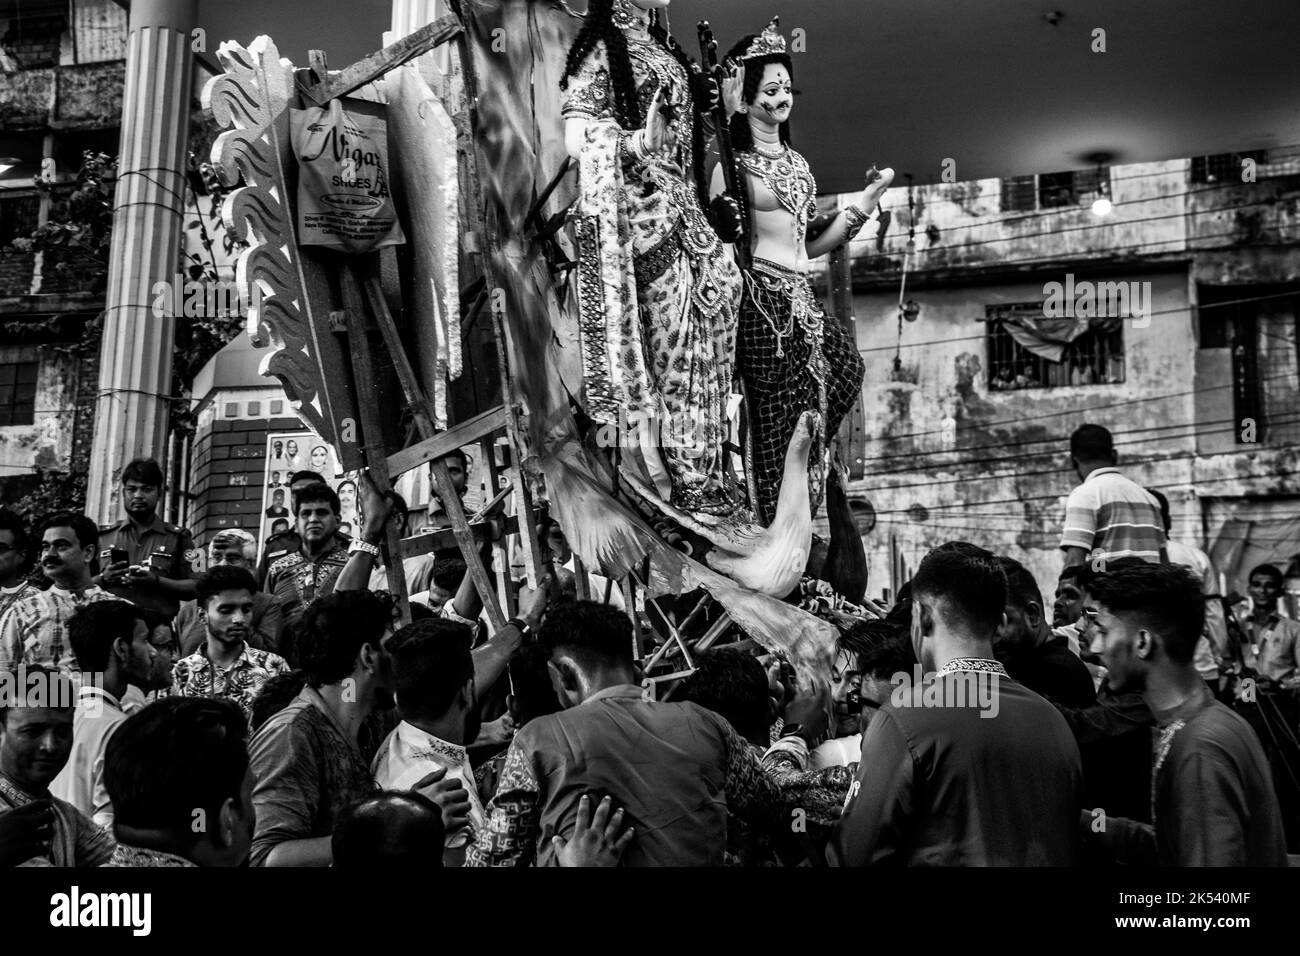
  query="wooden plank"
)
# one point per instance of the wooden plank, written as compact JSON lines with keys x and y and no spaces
{"x":581,"y":582}
{"x":372,"y":436}
{"x":372,"y":67}
{"x":451,"y":503}
{"x":420,"y":407}
{"x":464,"y":433}
{"x":501,"y":558}
{"x":443,"y":538}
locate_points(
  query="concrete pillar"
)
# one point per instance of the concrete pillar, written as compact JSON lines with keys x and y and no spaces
{"x":136,"y":353}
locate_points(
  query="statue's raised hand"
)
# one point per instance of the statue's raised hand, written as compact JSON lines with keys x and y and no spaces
{"x":656,"y":130}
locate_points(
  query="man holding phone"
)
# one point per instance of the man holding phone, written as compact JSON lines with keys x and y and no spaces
{"x":145,"y":559}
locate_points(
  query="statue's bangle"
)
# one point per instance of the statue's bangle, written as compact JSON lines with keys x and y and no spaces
{"x":854,"y":220}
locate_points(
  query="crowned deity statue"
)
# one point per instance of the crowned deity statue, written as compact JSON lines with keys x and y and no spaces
{"x":791,"y":356}
{"x":658,"y":291}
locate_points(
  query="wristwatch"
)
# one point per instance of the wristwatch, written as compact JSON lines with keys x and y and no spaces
{"x":525,"y":628}
{"x":359,"y":545}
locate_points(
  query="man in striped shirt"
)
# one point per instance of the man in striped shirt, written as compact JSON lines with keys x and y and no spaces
{"x":1109,"y":516}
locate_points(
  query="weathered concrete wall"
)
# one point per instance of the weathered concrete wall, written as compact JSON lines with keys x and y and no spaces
{"x":89,"y":96}
{"x":949,"y":458}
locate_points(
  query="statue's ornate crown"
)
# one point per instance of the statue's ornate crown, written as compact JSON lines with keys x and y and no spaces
{"x":766,"y":43}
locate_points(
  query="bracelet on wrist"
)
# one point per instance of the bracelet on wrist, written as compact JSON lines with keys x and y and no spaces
{"x":359,"y":545}
{"x":854,"y":220}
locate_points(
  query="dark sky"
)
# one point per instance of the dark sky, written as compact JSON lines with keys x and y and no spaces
{"x":990,"y":84}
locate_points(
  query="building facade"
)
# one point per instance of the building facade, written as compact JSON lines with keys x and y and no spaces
{"x":61,"y":76}
{"x":1171,"y":320}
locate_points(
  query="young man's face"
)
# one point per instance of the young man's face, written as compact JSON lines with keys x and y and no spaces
{"x":228,"y":616}
{"x":1068,"y":604}
{"x":141,"y":657}
{"x":1264,"y":591}
{"x":139,"y":500}
{"x":34,"y":745}
{"x":11,"y":559}
{"x":62,"y":555}
{"x":317,"y":522}
{"x":1115,"y":640}
{"x":845,"y":680}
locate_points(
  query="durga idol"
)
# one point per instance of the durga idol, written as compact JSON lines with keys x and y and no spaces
{"x":791,"y":356}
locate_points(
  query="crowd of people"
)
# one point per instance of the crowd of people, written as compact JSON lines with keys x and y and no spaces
{"x":283,"y":714}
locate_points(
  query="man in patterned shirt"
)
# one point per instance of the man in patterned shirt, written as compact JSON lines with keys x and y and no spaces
{"x":297,"y":579}
{"x":34,"y":629}
{"x":675,"y":768}
{"x":307,"y":759}
{"x":225,"y":665}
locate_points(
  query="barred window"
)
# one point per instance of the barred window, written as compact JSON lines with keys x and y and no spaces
{"x":18,"y":393}
{"x":1053,"y":190}
{"x":1224,"y":167}
{"x":1094,"y":358}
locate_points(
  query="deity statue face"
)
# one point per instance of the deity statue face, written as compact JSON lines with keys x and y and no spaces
{"x":774,"y":97}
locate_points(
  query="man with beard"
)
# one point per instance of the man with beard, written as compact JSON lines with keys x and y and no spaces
{"x":111,"y":641}
{"x":157,"y":573}
{"x":1212,"y":794}
{"x":306,"y":759}
{"x":179,"y":763}
{"x":297,"y":579}
{"x":225,"y":665}
{"x":35,"y":741}
{"x":34,"y":629}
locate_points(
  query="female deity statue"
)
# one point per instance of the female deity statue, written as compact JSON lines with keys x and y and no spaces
{"x":658,"y":292}
{"x":791,"y":356}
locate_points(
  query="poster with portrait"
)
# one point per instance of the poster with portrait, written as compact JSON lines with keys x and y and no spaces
{"x":290,"y":452}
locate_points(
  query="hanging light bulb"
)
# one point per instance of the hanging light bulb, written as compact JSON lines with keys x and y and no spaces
{"x":1102,"y":205}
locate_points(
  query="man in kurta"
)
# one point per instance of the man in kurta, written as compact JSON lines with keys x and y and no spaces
{"x":965,"y":767}
{"x":1212,"y":797}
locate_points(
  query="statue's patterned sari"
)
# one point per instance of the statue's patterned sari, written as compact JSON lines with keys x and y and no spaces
{"x":658,"y":291}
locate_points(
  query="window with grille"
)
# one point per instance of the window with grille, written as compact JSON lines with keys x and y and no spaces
{"x":1223,"y":167}
{"x":1053,"y":190}
{"x":18,"y":393}
{"x":1094,"y":358}
{"x":19,"y":216}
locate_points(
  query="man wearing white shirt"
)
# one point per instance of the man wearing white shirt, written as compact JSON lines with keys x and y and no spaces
{"x":111,"y":641}
{"x":434,"y":678}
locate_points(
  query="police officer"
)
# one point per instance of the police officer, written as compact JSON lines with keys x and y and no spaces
{"x":288,"y":542}
{"x":157,"y":574}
